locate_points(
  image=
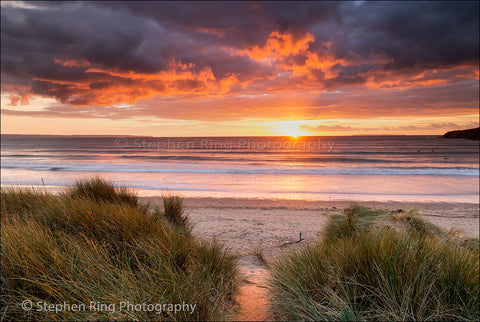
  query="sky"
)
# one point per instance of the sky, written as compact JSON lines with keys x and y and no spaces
{"x":239,"y":68}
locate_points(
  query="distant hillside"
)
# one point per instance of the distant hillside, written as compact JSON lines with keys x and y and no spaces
{"x":471,"y":134}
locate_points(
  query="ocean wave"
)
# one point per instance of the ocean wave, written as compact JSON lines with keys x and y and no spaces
{"x":248,"y":158}
{"x":241,"y":169}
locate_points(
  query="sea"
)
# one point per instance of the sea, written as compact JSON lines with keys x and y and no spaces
{"x":360,"y":168}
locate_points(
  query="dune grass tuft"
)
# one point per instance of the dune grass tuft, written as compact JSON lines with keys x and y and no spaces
{"x":96,"y":244}
{"x":416,"y":224}
{"x":99,"y":190}
{"x":360,"y":271}
{"x":353,"y":219}
{"x":173,"y":210}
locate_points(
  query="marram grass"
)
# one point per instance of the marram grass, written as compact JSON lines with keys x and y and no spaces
{"x":95,"y":243}
{"x":362,"y":272}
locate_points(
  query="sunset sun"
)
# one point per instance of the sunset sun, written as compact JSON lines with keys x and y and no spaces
{"x":294,"y":132}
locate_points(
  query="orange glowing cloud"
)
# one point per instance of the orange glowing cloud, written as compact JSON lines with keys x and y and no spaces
{"x":280,"y":45}
{"x":280,"y":48}
{"x":22,"y":99}
{"x":71,"y":62}
{"x":109,"y":87}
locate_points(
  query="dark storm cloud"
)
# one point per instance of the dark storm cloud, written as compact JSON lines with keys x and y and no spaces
{"x":107,"y":38}
{"x":245,"y":23}
{"x":103,"y":53}
{"x":410,"y":34}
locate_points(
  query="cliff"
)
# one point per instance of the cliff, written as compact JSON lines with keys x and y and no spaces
{"x":471,"y":134}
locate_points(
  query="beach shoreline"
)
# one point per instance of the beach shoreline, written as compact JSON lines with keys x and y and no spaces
{"x":274,"y":225}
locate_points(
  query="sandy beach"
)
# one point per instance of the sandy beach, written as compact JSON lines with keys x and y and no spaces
{"x":261,"y":230}
{"x":246,"y":225}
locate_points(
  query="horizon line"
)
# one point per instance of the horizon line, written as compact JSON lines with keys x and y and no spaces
{"x":211,"y":136}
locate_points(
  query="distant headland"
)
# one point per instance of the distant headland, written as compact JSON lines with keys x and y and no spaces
{"x":471,"y":134}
